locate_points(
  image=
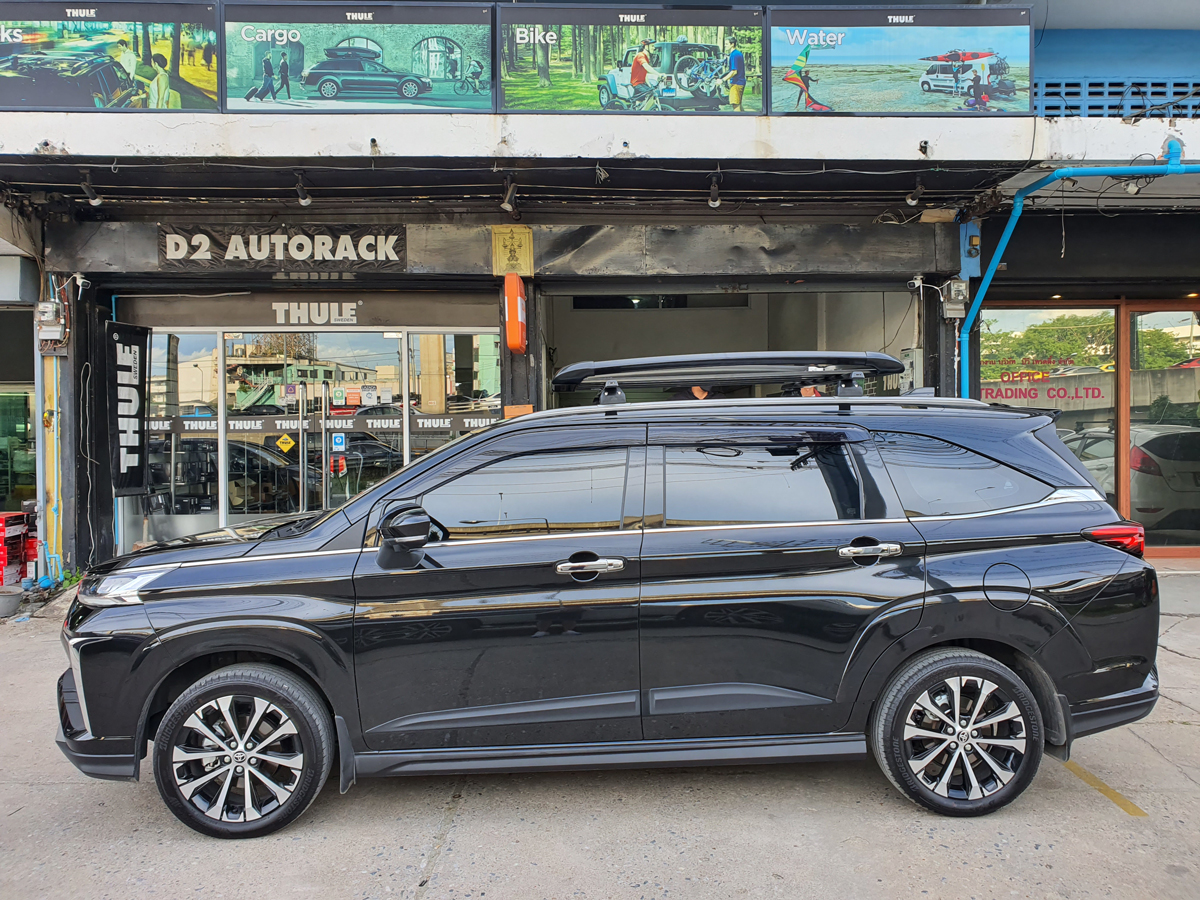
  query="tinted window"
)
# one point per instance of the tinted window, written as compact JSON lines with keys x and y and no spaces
{"x":539,"y":493}
{"x":744,"y":484}
{"x":1183,"y":446}
{"x":1099,"y":448}
{"x":936,"y":478}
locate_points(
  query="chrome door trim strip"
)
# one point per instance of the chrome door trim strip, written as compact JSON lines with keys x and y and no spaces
{"x":267,"y":557}
{"x":1055,"y":498}
{"x":823,"y":524}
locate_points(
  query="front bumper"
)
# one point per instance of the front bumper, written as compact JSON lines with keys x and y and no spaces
{"x":112,"y":759}
{"x":1108,"y":712}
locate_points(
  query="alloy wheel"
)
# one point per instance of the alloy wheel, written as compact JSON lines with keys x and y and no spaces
{"x":965,"y":738}
{"x":237,"y":758}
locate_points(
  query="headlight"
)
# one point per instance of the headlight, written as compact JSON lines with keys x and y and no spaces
{"x":118,"y":589}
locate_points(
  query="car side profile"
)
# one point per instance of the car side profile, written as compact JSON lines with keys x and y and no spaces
{"x":936,"y":583}
{"x":66,"y":79}
{"x":355,"y":71}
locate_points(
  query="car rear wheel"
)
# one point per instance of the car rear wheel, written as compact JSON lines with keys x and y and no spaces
{"x":328,"y":89}
{"x":957,"y":732}
{"x":409,"y":89}
{"x":243,"y":751}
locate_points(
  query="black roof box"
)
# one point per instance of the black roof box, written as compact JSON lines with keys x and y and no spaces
{"x":800,"y":368}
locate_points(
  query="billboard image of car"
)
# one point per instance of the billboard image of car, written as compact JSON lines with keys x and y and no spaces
{"x":380,"y":58}
{"x":111,"y":56}
{"x":953,"y":60}
{"x":572,"y":58}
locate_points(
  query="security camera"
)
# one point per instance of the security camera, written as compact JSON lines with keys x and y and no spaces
{"x":915,"y":282}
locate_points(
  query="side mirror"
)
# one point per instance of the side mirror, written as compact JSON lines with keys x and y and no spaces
{"x":403,"y":533}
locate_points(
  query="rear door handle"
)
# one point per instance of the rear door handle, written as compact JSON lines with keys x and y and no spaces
{"x":591,"y":565}
{"x":852,"y":552}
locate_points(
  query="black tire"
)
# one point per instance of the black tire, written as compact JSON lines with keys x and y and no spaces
{"x":918,"y":766}
{"x":616,"y":104}
{"x":682,"y":66}
{"x":329,"y":89}
{"x":262,"y":701}
{"x":409,"y":90}
{"x":926,"y":86}
{"x":606,"y":96}
{"x":667,"y":107}
{"x":461,"y":87}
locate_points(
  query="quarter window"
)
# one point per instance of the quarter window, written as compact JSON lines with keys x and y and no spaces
{"x":538,"y":493}
{"x":745,"y":484}
{"x":937,"y":478}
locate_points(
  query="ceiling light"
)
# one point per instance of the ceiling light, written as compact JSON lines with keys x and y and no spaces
{"x":912,"y":198}
{"x":1056,"y":296}
{"x":509,"y":203}
{"x":1193,"y":296}
{"x":305,"y":200}
{"x":93,"y":198}
{"x":714,"y":193}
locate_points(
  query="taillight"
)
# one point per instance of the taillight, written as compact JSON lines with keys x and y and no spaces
{"x":1141,"y":461}
{"x":1127,"y":536}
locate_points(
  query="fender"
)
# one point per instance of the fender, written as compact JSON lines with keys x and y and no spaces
{"x":947,"y":619}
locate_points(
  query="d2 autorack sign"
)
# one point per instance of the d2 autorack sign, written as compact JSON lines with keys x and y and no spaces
{"x":274,"y":248}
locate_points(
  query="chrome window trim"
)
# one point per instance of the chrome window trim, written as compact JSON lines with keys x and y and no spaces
{"x":530,"y":537}
{"x":1054,"y":498}
{"x":826,"y":523}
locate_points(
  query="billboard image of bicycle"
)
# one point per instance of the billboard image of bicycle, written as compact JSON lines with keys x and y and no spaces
{"x":956,"y":60}
{"x":379,"y":58}
{"x":559,"y":58}
{"x":111,"y":56}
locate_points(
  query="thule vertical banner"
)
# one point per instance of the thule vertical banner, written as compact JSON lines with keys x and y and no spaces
{"x":128,"y":380}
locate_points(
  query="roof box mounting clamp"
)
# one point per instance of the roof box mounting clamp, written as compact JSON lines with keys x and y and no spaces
{"x":848,"y":388}
{"x":611,"y":393}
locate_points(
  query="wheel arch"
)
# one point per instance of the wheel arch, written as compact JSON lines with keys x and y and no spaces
{"x":1034,"y":675}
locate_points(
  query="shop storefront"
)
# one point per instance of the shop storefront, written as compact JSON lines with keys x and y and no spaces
{"x":277,"y":403}
{"x":1126,"y":376}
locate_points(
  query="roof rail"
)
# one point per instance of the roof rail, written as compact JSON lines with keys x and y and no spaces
{"x":792,"y":369}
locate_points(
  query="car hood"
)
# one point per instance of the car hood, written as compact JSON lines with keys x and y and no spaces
{"x":223,"y":543}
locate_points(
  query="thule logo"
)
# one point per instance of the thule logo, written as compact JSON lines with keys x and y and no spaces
{"x":631,"y":18}
{"x":360,"y":17}
{"x":900,"y":20}
{"x":80,"y":13}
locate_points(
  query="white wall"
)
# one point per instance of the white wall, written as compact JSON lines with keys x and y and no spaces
{"x":875,"y":321}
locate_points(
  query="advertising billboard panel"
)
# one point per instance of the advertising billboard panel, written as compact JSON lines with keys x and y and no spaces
{"x":640,"y":59}
{"x":108,"y":56}
{"x":363,"y":58}
{"x":947,"y":60}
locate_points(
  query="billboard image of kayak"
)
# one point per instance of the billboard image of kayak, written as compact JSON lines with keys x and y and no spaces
{"x":366,"y":58}
{"x":947,"y":60}
{"x":109,"y":56}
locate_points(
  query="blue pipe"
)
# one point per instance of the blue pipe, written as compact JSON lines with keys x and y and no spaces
{"x":1172,"y":166}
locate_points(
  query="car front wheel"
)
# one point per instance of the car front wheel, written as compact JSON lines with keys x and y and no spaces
{"x":605,"y":97}
{"x":409,"y":89}
{"x":243,"y":751}
{"x":957,"y":732}
{"x":926,"y":86}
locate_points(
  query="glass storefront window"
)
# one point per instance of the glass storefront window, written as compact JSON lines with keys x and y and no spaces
{"x":454,"y":386}
{"x":1057,"y":359}
{"x":18,"y":446}
{"x":1164,"y":426}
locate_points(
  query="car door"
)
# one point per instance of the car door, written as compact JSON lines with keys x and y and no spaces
{"x":519,"y":626}
{"x":768,"y":552}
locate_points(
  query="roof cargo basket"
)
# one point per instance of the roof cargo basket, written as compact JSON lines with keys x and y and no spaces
{"x":794,"y":370}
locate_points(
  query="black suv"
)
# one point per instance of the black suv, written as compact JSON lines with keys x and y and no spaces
{"x":65,"y":80}
{"x":936,"y":582}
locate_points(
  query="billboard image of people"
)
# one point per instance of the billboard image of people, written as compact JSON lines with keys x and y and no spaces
{"x":150,"y":56}
{"x":373,"y":57}
{"x":645,"y":59}
{"x":951,"y":60}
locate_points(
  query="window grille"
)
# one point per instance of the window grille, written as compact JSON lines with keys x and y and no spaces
{"x":1118,"y":98}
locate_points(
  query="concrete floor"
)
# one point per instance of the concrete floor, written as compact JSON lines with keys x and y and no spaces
{"x":821,"y":830}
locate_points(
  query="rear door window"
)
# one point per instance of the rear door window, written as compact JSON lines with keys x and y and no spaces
{"x":937,"y":478}
{"x":744,"y":484}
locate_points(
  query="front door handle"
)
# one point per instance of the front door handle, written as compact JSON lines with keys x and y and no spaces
{"x":887,"y":549}
{"x":591,"y":565}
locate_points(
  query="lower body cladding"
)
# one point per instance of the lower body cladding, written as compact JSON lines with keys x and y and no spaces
{"x":616,"y":755}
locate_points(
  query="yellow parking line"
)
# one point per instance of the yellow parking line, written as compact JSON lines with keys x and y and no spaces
{"x":1115,"y":796}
